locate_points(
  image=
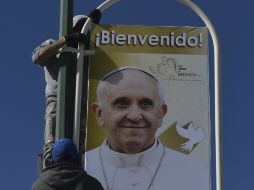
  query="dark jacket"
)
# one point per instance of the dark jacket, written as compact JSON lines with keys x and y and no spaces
{"x":66,"y":176}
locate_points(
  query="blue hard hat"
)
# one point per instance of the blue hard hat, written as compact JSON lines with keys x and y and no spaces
{"x":64,"y":150}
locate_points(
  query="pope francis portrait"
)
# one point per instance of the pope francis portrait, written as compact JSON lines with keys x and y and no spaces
{"x":130,"y":106}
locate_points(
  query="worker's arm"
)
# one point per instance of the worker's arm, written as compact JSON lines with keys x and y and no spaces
{"x":50,"y":48}
{"x":49,"y":51}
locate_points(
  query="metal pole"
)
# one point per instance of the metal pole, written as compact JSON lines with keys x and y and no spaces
{"x":217,"y":88}
{"x":66,"y":81}
{"x":79,"y":73}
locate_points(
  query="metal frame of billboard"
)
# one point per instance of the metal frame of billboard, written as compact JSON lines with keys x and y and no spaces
{"x":217,"y":88}
{"x":217,"y":83}
{"x":79,"y":73}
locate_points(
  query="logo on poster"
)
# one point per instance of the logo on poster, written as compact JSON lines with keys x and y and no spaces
{"x":169,"y":69}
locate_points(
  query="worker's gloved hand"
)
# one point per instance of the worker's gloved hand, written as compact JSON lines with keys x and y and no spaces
{"x":95,"y":15}
{"x":74,"y":38}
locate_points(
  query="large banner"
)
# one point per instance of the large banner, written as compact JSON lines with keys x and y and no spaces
{"x":148,"y":120}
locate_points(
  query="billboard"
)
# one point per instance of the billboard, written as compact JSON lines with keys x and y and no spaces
{"x":148,"y":109}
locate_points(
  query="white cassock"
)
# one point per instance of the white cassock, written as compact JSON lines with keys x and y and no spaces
{"x":157,"y":168}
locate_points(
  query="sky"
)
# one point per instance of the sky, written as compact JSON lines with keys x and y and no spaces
{"x":25,"y":24}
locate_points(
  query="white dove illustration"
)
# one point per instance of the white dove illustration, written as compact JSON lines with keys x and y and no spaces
{"x":195,"y":135}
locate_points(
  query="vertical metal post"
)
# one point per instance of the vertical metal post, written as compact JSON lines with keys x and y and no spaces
{"x":82,"y":79}
{"x":66,"y":77}
{"x":217,"y":88}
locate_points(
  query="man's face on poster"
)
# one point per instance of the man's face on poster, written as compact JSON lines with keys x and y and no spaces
{"x":131,"y":109}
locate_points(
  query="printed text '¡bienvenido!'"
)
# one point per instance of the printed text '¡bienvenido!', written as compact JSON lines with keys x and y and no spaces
{"x":112,"y":38}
